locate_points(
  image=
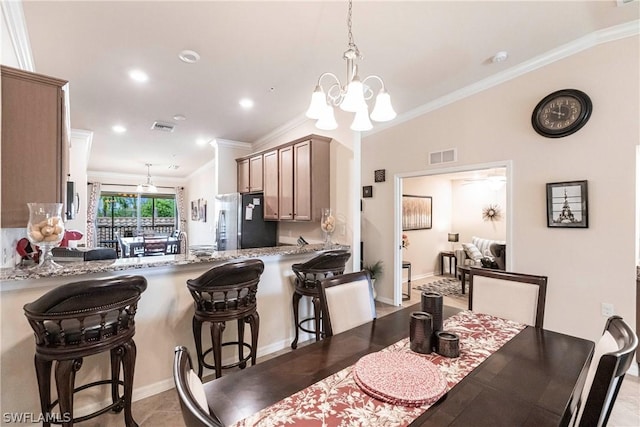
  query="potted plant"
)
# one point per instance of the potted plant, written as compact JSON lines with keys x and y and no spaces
{"x":375,"y":271}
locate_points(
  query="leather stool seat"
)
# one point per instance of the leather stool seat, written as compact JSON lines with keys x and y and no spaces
{"x":308,"y":275}
{"x":81,"y":319}
{"x":225,"y":293}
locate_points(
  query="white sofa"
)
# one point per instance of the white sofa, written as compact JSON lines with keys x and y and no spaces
{"x":472,"y":253}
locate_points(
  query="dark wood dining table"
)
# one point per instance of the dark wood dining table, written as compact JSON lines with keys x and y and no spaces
{"x":535,"y":379}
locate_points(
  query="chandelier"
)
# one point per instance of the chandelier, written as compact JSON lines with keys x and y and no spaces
{"x":148,"y":186}
{"x":352,"y":97}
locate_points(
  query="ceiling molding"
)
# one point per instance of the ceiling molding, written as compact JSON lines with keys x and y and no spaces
{"x":84,"y":135}
{"x":596,"y":38}
{"x":228,"y":143}
{"x":17,"y":28}
{"x":280,"y":131}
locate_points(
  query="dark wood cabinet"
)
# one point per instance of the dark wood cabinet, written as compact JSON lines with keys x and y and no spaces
{"x":34,"y":143}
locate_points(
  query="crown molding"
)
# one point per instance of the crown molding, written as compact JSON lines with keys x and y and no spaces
{"x":17,"y":28}
{"x":228,"y":143}
{"x":596,"y":38}
{"x":280,"y":131}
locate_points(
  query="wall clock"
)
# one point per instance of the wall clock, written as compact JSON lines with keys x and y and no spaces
{"x":561,"y":113}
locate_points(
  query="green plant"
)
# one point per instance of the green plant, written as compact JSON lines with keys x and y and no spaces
{"x":375,"y":269}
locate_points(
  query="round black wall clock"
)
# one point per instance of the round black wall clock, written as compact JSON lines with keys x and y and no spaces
{"x":561,"y":113}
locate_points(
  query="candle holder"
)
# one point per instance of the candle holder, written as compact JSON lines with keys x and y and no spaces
{"x":45,"y":229}
{"x":420,"y":332}
{"x":447,"y":344}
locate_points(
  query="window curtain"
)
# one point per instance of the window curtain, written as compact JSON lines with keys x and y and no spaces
{"x":92,"y":214}
{"x":181,"y":220}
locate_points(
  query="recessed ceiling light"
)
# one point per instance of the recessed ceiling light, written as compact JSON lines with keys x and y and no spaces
{"x":213,"y":142}
{"x":138,"y":75}
{"x":500,"y":57}
{"x":189,"y":56}
{"x":119,"y":129}
{"x":179,"y":117}
{"x":202,"y":141}
{"x":246,"y":103}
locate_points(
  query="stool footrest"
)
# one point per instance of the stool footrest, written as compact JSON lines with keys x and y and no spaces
{"x":240,"y":362}
{"x":119,"y":403}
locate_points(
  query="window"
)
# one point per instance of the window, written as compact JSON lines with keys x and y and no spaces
{"x":135,"y":215}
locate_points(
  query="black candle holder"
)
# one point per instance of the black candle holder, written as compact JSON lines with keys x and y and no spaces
{"x":431,"y":302}
{"x":421,"y":332}
{"x":447,"y":344}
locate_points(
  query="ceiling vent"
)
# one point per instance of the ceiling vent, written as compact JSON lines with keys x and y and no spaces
{"x":163,"y":126}
{"x":445,"y":156}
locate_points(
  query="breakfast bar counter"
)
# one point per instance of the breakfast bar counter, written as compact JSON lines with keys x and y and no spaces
{"x":163,"y":319}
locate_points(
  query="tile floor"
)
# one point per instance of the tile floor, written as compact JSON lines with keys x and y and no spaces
{"x":163,"y":409}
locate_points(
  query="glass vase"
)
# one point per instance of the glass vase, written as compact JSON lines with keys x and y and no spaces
{"x":45,"y":229}
{"x":328,"y":226}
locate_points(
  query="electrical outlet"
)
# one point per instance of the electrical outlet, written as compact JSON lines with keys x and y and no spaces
{"x":607,"y":309}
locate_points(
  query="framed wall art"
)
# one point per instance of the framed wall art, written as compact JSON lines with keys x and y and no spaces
{"x":567,"y":204}
{"x":416,"y":212}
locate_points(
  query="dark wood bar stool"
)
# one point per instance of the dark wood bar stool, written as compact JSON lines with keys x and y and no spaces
{"x":81,"y":319}
{"x":308,"y":274}
{"x":224,"y":293}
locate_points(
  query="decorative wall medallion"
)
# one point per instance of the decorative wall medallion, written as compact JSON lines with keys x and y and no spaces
{"x":379,"y":175}
{"x":492,"y":213}
{"x":367,"y":191}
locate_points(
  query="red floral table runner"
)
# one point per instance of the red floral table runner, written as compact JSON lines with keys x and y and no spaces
{"x":338,"y":401}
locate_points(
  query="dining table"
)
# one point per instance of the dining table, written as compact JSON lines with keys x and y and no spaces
{"x":533,"y":377}
{"x":134,"y":246}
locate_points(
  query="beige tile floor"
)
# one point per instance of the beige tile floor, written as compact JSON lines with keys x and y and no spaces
{"x":163,"y":409}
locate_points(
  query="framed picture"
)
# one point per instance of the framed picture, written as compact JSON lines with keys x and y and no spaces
{"x":367,"y":191}
{"x":567,"y":204}
{"x":194,"y":210}
{"x":416,"y":212}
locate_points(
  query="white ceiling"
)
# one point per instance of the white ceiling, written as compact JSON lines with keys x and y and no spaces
{"x":272,"y":52}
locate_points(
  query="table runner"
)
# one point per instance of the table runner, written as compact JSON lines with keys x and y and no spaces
{"x":338,"y":401}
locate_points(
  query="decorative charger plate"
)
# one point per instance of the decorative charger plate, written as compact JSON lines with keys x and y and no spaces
{"x":399,"y":378}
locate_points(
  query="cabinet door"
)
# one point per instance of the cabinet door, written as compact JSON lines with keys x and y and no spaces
{"x":32,"y":145}
{"x":270,"y":184}
{"x":285,"y":202}
{"x":302,"y":181}
{"x":255,"y":173}
{"x":243,"y":176}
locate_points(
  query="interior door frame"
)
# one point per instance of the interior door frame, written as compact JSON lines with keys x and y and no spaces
{"x":398,"y":180}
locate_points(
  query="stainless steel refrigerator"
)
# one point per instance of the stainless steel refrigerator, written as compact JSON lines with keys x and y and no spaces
{"x":240,"y":222}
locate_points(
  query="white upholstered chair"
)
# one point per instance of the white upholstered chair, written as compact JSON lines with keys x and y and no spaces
{"x":193,"y":401}
{"x":514,"y":296}
{"x":346,"y":301}
{"x":612,"y":358}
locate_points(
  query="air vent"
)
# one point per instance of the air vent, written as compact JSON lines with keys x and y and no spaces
{"x":163,"y":126}
{"x":446,"y":156}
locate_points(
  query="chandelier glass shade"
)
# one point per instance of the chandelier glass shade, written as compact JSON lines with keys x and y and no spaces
{"x":148,"y":186}
{"x":351,"y":97}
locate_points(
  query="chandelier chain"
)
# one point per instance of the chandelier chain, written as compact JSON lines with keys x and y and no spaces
{"x":352,"y":44}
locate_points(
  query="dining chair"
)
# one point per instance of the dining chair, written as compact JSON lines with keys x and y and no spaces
{"x":514,"y":296}
{"x":193,"y":400}
{"x":124,"y":248}
{"x":156,"y":245}
{"x":612,"y":358}
{"x":346,"y":301}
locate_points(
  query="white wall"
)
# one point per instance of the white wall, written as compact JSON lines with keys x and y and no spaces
{"x":200,"y":186}
{"x":585,"y":266}
{"x":79,"y":148}
{"x":469,"y":200}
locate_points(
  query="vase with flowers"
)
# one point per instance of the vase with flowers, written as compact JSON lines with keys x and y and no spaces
{"x":405,"y":241}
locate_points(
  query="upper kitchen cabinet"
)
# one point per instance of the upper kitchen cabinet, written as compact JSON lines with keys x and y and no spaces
{"x":270,"y":183}
{"x":34,"y":143}
{"x":304,"y":174}
{"x":250,"y":174}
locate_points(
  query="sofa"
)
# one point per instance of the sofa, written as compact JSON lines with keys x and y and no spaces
{"x":482,"y":253}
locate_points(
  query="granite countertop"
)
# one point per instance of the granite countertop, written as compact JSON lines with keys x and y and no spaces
{"x":88,"y":267}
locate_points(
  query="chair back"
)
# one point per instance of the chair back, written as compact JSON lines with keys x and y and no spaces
{"x":227,"y":290}
{"x":514,"y":296}
{"x":82,"y":318}
{"x":347,"y":301}
{"x":155,"y":245}
{"x":124,"y":248}
{"x":193,"y":400}
{"x":612,"y":358}
{"x":327,"y":264}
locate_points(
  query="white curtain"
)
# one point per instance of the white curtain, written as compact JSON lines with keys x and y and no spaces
{"x":92,"y":215}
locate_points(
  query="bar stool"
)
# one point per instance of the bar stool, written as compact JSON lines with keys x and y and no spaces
{"x":81,"y":319}
{"x":327,"y":264}
{"x":224,"y":293}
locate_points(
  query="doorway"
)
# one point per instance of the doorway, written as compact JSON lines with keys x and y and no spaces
{"x":461,"y":198}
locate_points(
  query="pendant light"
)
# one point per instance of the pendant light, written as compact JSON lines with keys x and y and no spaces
{"x":148,"y":186}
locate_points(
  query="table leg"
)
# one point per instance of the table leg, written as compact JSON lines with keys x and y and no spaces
{"x":464,"y":275}
{"x":442,"y":264}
